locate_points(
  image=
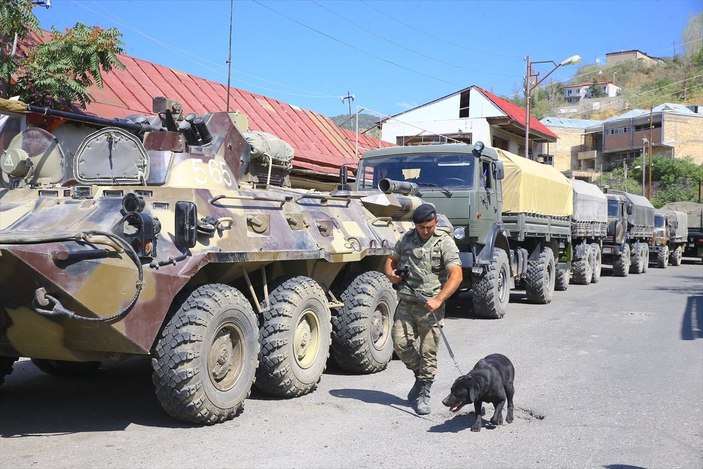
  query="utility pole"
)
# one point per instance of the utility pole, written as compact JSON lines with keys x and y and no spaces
{"x":229,"y":57}
{"x":349,"y":97}
{"x":651,"y":157}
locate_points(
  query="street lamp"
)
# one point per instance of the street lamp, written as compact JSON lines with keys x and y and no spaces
{"x":529,"y":87}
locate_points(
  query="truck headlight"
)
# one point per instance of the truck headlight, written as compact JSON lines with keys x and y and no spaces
{"x":459,"y":232}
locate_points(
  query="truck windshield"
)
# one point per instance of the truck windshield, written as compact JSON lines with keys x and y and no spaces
{"x":613,"y":208}
{"x":443,"y":170}
{"x":659,"y":221}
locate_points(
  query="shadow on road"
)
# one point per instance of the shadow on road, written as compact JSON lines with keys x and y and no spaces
{"x":692,"y":324}
{"x":112,"y":398}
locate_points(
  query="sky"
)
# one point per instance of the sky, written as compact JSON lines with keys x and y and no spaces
{"x":389,"y":55}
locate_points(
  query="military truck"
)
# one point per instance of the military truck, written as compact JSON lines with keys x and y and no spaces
{"x":630,"y":232}
{"x":164,"y":236}
{"x":511,"y":216}
{"x":589,"y":224}
{"x":670,"y":233}
{"x":694,"y":212}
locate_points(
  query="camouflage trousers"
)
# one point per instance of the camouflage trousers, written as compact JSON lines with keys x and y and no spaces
{"x":416,"y":337}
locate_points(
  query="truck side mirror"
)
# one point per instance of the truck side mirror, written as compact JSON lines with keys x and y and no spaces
{"x":186,"y":223}
{"x":498,"y":170}
{"x":628,"y":209}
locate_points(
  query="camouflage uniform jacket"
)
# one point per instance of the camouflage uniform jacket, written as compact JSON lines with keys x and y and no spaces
{"x":427,"y":262}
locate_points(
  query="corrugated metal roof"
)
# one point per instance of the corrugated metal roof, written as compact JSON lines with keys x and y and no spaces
{"x":320,"y":145}
{"x":669,"y":108}
{"x":517,"y":113}
{"x":568,"y":123}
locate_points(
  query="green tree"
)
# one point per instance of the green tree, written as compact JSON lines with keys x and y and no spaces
{"x":59,"y":70}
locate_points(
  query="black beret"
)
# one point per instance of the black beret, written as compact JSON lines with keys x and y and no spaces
{"x":425,"y":212}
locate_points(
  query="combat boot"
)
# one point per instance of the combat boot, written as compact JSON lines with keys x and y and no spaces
{"x":422,"y":406}
{"x":415,"y":390}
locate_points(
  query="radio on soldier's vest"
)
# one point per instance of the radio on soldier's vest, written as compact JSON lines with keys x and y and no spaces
{"x":403,"y":272}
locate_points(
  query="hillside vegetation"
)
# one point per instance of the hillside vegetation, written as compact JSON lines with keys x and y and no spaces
{"x":676,"y":79}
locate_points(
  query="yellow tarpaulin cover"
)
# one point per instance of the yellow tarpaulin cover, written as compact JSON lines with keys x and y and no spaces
{"x":534,"y":187}
{"x":11,"y":105}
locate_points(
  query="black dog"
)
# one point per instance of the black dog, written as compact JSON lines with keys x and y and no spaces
{"x":491,"y":380}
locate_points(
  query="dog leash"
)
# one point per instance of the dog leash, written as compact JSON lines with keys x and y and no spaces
{"x":441,"y":329}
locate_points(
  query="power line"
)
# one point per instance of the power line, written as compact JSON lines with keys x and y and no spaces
{"x":390,"y":62}
{"x":437,"y":37}
{"x":390,"y":41}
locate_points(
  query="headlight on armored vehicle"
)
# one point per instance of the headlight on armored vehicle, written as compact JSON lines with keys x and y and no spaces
{"x":459,"y":232}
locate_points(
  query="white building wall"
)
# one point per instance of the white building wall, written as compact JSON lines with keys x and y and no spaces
{"x":442,"y":117}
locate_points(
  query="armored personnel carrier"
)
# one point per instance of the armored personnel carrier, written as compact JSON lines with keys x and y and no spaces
{"x":164,"y":236}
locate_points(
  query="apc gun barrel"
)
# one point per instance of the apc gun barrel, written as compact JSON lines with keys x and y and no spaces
{"x":130,"y":126}
{"x":391,"y":186}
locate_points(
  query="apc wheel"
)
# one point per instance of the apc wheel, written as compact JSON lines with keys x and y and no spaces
{"x":597,"y":262}
{"x":6,"y":367}
{"x":64,"y":367}
{"x":663,"y":257}
{"x":205,"y":360}
{"x":295,"y":339}
{"x":361,"y":333}
{"x":561,"y":280}
{"x":540,"y":278}
{"x":491,"y":292}
{"x":621,"y":265}
{"x":675,"y":257}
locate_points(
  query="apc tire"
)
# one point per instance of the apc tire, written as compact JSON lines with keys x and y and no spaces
{"x":675,"y":257}
{"x":621,"y":265}
{"x":6,"y":367}
{"x":663,"y":257}
{"x":361,"y":332}
{"x":597,"y":262}
{"x":295,"y":339}
{"x":205,"y":360}
{"x":65,"y":368}
{"x":561,"y":280}
{"x":491,"y":292}
{"x":539,"y":284}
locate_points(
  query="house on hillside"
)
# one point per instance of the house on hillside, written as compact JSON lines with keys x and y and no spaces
{"x":579,"y":91}
{"x":469,"y":115}
{"x":321,"y":147}
{"x":612,"y":58}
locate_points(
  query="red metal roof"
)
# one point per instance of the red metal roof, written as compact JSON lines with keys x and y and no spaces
{"x":320,"y":145}
{"x":517,"y":113}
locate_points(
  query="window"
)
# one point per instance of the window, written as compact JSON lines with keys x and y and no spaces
{"x":464,"y":104}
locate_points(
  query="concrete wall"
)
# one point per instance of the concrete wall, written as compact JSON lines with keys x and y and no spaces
{"x":685,"y":135}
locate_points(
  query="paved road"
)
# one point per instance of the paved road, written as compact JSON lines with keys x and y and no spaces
{"x":607,"y":375}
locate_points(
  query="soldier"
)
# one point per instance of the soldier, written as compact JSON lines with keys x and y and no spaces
{"x":426,"y":268}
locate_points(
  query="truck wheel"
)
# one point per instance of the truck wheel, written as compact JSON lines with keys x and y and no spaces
{"x":621,"y":265}
{"x":637,"y":260}
{"x":583,"y":268}
{"x":675,"y":256}
{"x":64,"y":367}
{"x":597,"y":262}
{"x":491,"y":292}
{"x":561,"y":280}
{"x":205,"y":359}
{"x":6,"y":367}
{"x":663,"y":257}
{"x":540,"y":278}
{"x":361,"y":332}
{"x":295,"y":339}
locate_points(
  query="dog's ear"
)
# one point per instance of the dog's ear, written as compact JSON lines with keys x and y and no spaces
{"x":474,"y":390}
